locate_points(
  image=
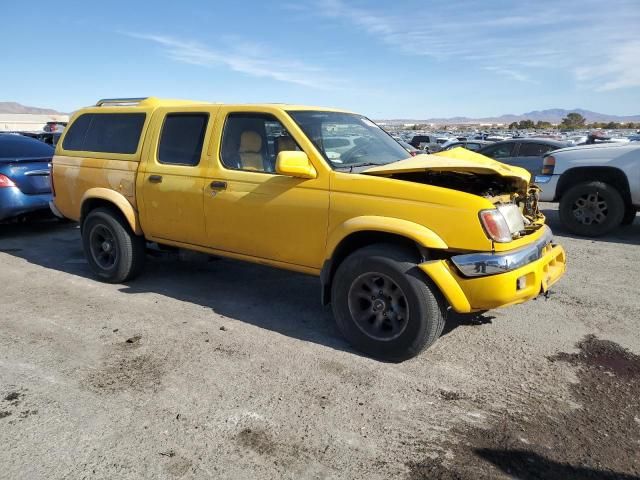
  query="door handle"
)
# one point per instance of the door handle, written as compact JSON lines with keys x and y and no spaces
{"x":217,"y":185}
{"x":155,"y":178}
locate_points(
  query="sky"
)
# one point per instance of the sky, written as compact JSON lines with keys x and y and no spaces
{"x":385,"y":59}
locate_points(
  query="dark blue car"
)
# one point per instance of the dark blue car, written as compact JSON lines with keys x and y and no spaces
{"x":24,"y":176}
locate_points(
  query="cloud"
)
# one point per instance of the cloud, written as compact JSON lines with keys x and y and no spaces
{"x":621,"y":71}
{"x":596,"y":45}
{"x":240,"y":56}
{"x":513,"y":74}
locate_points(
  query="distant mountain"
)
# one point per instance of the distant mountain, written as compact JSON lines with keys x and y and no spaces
{"x":553,"y":115}
{"x":14,"y":107}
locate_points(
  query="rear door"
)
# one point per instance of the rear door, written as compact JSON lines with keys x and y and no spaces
{"x":171,"y":179}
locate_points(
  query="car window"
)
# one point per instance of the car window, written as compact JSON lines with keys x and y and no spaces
{"x":74,"y":137}
{"x":182,"y":137}
{"x":473,"y":146}
{"x":105,"y":133}
{"x":453,"y":145}
{"x":534,"y":149}
{"x":17,"y":146}
{"x":371,"y":144}
{"x":252,"y":141}
{"x":503,"y":150}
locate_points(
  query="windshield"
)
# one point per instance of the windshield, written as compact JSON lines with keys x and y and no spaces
{"x":347,"y":140}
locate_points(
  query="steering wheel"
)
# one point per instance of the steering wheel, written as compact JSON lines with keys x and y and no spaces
{"x":354,"y":154}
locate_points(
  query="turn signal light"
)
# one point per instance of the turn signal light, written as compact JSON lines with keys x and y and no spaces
{"x":548,"y":165}
{"x":6,"y":182}
{"x":495,"y":225}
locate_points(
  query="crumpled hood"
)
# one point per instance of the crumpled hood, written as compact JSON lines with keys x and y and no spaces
{"x":455,"y":160}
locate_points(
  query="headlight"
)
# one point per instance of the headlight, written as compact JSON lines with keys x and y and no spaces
{"x":495,"y":225}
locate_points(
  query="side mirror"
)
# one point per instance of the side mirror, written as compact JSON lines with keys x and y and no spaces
{"x":295,"y":164}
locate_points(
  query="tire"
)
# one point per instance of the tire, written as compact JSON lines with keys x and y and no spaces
{"x":629,"y":215}
{"x":113,"y":251}
{"x":383,"y":325}
{"x":591,"y":209}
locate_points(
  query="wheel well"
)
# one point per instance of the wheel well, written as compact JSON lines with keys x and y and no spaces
{"x":355,"y":241}
{"x":93,"y":203}
{"x":611,"y":175}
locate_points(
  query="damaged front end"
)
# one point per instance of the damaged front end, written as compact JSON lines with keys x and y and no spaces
{"x":506,"y":187}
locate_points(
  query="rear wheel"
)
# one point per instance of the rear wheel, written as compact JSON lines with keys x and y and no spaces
{"x":591,"y":209}
{"x":113,"y":251}
{"x":384,"y":305}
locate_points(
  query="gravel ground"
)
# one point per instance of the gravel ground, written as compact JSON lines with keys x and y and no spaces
{"x":227,"y":370}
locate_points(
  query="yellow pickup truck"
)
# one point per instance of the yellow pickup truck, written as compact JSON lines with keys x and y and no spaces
{"x":396,"y":241}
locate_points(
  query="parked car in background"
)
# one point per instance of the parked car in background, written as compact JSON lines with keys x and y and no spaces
{"x":473,"y":145}
{"x":523,"y":152}
{"x":428,"y":143}
{"x":54,"y":126}
{"x":413,"y":151}
{"x":50,"y":138}
{"x":24,"y":176}
{"x":598,"y":186}
{"x":336,"y":146}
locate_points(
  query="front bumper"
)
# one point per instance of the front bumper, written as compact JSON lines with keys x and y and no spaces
{"x":14,"y":203}
{"x":517,"y":285}
{"x":548,"y":185}
{"x":486,"y":263}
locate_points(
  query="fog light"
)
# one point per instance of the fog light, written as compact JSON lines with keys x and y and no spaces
{"x":521,"y":283}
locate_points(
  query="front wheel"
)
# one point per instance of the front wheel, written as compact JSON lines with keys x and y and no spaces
{"x":384,"y":305}
{"x":113,"y":251}
{"x":591,"y":209}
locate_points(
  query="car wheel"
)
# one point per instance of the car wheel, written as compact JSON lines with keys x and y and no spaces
{"x":591,"y":209}
{"x":384,"y":305}
{"x":113,"y":251}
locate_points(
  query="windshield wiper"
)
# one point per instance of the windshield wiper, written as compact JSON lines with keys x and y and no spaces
{"x":356,"y":165}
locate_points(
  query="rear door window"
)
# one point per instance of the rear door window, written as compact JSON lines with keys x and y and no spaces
{"x":534,"y":149}
{"x":182,"y":138}
{"x":105,"y":133}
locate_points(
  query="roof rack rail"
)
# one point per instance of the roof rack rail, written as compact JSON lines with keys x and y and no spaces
{"x":120,"y":101}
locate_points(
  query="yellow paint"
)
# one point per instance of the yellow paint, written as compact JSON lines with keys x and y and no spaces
{"x":294,"y":221}
{"x":484,"y":293}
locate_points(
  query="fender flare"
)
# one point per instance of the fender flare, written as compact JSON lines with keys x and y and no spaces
{"x":119,"y":201}
{"x":420,"y":234}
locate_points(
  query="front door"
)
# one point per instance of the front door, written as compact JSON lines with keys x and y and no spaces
{"x":249,"y":208}
{"x":172,"y":178}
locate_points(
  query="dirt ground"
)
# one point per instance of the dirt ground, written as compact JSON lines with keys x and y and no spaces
{"x":221,"y":369}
